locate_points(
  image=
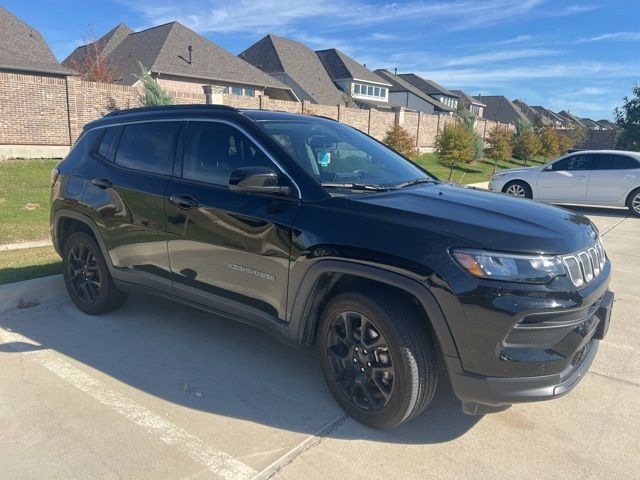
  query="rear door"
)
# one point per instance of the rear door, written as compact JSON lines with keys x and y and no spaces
{"x":565,"y":180}
{"x":613,"y":176}
{"x":127,"y":192}
{"x":228,"y":250}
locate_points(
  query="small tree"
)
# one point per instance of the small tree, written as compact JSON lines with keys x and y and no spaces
{"x":628,"y":119}
{"x":564,"y":143}
{"x":454,"y":146}
{"x":577,"y":134}
{"x":89,"y":62}
{"x":527,"y":145}
{"x":538,"y":124}
{"x":549,"y":143}
{"x":154,"y":95}
{"x":500,"y":148}
{"x":401,"y":141}
{"x":468,"y":119}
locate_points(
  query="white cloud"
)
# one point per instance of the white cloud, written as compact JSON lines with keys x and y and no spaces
{"x":616,"y":36}
{"x":496,"y":56}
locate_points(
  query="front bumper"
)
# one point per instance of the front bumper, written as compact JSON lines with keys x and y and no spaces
{"x":482,"y":394}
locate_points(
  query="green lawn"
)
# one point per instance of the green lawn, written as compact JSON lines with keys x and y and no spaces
{"x":24,"y":199}
{"x":473,"y":173}
{"x":17,"y":265}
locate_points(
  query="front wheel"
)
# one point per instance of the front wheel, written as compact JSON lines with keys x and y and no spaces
{"x":378,"y":358}
{"x":87,"y":277}
{"x":518,"y":188}
{"x":633,"y":202}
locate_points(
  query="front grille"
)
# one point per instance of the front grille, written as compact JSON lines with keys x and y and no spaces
{"x":585,"y":266}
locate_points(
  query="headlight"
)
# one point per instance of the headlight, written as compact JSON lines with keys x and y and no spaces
{"x":498,"y":175}
{"x":509,"y":267}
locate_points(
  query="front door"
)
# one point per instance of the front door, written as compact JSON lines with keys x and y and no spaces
{"x":228,"y":250}
{"x":565,"y":180}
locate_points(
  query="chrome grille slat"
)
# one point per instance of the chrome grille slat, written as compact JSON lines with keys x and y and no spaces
{"x":585,"y":266}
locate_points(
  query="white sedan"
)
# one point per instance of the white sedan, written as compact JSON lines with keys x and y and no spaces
{"x":609,"y":178}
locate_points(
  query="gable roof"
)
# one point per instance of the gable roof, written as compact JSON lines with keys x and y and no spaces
{"x":23,"y":48}
{"x":607,"y":124}
{"x":299,"y":65}
{"x":399,"y":84}
{"x":590,"y":124}
{"x":427,"y":86}
{"x":500,"y":109}
{"x":340,"y":66}
{"x":571,"y":118}
{"x":103,"y":46}
{"x":465,"y":97}
{"x":529,"y":112}
{"x":550,"y":115}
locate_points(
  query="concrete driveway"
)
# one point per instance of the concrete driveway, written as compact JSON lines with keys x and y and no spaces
{"x":157,"y":390}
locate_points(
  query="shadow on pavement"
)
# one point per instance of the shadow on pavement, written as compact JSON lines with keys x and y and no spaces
{"x":196,"y":360}
{"x":602,"y":212}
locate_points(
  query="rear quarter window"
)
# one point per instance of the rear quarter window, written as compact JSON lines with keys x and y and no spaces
{"x":148,"y":147}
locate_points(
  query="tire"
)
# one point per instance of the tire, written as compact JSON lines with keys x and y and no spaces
{"x":633,"y":202}
{"x":518,"y":188}
{"x":87,"y":277}
{"x":400,"y":374}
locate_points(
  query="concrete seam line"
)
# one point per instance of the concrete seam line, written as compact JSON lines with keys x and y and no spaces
{"x":220,"y":463}
{"x":612,"y":227}
{"x":615,"y":379}
{"x":299,"y":449}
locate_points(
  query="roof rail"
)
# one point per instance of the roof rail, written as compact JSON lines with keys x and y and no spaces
{"x":164,"y":108}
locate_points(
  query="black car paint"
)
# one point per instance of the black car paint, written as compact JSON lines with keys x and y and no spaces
{"x":262,"y":259}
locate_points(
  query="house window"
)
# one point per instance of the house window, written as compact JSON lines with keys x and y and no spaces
{"x":249,"y":92}
{"x":236,"y":90}
{"x":370,"y":91}
{"x":225,"y":90}
{"x":356,"y":88}
{"x":376,"y":92}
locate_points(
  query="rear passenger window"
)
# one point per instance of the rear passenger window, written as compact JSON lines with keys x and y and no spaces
{"x":107,"y":142}
{"x":616,"y":162}
{"x":148,"y":147}
{"x":576,"y":162}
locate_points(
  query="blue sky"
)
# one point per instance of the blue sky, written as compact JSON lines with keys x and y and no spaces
{"x":577,"y":55}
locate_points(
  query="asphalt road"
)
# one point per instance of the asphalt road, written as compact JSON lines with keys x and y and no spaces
{"x":157,"y":390}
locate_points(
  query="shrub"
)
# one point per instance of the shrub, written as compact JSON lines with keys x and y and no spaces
{"x":454,"y":146}
{"x":549,"y":143}
{"x":526,"y":145}
{"x":469,"y":121}
{"x":401,"y":141}
{"x":500,"y":148}
{"x":154,"y":94}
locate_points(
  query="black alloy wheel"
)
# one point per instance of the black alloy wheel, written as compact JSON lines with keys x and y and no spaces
{"x":84,"y":273}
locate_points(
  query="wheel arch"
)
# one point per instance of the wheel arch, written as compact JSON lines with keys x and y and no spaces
{"x":327,"y":278}
{"x":67,"y":222}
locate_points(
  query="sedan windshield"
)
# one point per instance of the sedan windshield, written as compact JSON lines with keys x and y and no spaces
{"x":338,"y":156}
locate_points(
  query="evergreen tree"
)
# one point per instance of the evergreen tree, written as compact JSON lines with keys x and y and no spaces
{"x":469,"y":121}
{"x":401,"y":141}
{"x":154,"y":95}
{"x":454,"y":146}
{"x":628,"y":119}
{"x":500,"y":148}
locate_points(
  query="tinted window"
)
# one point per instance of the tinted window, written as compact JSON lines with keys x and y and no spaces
{"x":213,"y":150}
{"x":148,"y":147}
{"x":575,"y":162}
{"x":107,"y":142}
{"x":616,"y":162}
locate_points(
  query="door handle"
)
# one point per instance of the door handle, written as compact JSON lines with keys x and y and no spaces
{"x":183,"y":201}
{"x":629,"y":177}
{"x":579,"y":178}
{"x":102,"y":183}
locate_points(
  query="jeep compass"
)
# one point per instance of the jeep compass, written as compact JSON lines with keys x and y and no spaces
{"x":322,"y":236}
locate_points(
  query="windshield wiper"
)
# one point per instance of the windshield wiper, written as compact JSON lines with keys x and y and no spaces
{"x":416,"y":181}
{"x":356,"y":186}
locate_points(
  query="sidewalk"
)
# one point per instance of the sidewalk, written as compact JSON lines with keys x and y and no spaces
{"x":4,"y":247}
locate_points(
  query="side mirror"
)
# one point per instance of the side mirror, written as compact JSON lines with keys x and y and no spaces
{"x":256,"y":180}
{"x":548,"y":168}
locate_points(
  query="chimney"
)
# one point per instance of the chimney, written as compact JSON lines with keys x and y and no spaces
{"x":395,"y":71}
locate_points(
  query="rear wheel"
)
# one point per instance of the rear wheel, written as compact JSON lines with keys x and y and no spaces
{"x":518,"y":188}
{"x":377,"y":357}
{"x":633,"y":202}
{"x":87,"y":277}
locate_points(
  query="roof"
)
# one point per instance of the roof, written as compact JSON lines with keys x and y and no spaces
{"x":465,"y":97}
{"x":552,"y":116}
{"x":371,"y":103}
{"x":500,"y":109}
{"x":590,"y":124}
{"x":607,"y":124}
{"x":398,"y":84}
{"x":529,"y":112}
{"x":427,"y":86}
{"x":340,"y":66}
{"x":298,"y":63}
{"x":164,"y":50}
{"x":571,"y":118}
{"x":103,"y":46}
{"x":23,"y":48}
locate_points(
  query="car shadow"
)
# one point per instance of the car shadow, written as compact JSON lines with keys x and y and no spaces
{"x":199,"y":361}
{"x":598,"y":211}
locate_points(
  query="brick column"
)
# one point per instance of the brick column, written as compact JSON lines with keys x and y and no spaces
{"x":418,"y":130}
{"x":369,"y":123}
{"x":72,"y":107}
{"x":339,"y":112}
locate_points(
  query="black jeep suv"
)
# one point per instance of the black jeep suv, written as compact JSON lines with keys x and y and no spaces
{"x":319,"y":234}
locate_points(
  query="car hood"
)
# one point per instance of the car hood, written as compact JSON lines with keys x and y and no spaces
{"x":492,"y":220}
{"x":520,"y":170}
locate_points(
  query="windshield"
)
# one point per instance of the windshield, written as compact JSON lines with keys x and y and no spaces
{"x":337,"y":155}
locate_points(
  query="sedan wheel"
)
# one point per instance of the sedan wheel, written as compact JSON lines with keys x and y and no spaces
{"x":635,"y":203}
{"x":516,"y":190}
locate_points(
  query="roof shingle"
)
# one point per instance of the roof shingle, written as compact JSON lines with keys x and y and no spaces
{"x":500,"y":109}
{"x":427,"y":86}
{"x":340,"y":66}
{"x":399,"y":84}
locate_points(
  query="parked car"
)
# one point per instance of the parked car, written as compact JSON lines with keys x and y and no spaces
{"x":318,"y":234}
{"x":607,"y":178}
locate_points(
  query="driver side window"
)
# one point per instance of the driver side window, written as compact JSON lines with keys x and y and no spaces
{"x":575,"y":162}
{"x":213,"y":150}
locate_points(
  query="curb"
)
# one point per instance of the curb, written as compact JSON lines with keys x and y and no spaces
{"x":31,"y":293}
{"x":4,"y":247}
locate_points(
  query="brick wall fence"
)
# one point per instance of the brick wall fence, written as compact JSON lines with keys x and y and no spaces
{"x":40,"y":110}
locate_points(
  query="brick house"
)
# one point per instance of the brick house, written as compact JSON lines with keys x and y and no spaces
{"x":295,"y":65}
{"x":470,"y":103}
{"x":180,"y":60}
{"x":404,"y":93}
{"x":550,"y":117}
{"x":501,"y":109}
{"x":431,"y":88}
